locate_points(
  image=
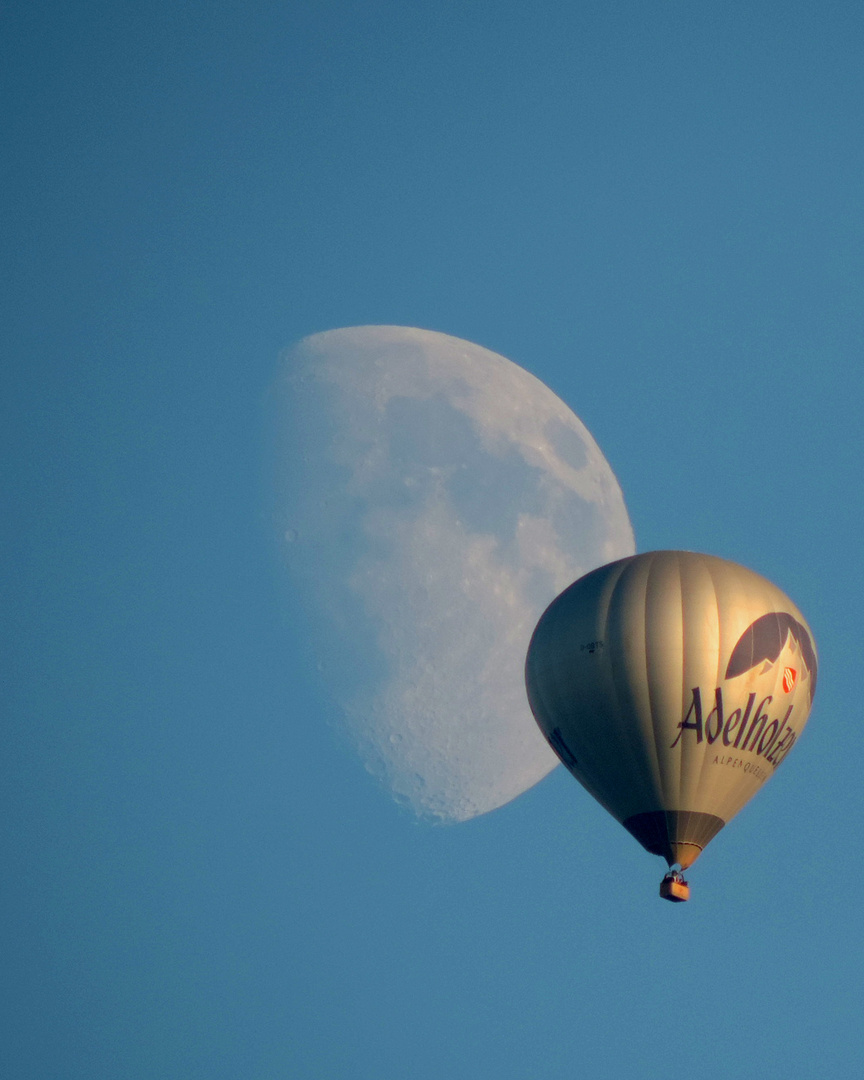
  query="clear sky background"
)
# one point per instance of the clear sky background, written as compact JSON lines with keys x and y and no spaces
{"x":657,"y":209}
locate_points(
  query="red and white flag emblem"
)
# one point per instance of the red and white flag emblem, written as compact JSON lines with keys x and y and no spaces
{"x":790,"y":677}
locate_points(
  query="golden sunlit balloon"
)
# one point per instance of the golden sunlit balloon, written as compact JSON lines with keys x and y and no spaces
{"x":672,"y":685}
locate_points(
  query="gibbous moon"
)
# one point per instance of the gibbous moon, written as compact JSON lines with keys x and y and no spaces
{"x":432,"y":498}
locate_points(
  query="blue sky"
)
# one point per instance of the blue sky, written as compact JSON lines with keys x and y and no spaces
{"x":655,"y":208}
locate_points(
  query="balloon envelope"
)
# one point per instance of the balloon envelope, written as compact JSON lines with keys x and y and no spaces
{"x":672,"y":685}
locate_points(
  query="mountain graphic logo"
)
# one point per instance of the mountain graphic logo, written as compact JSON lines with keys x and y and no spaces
{"x":763,"y":641}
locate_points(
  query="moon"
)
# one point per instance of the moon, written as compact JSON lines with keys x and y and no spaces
{"x":431,"y":499}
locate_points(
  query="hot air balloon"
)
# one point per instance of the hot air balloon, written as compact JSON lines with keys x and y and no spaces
{"x":672,"y":685}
